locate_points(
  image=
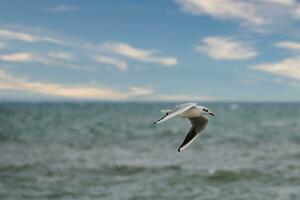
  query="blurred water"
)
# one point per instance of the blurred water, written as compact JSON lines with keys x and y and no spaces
{"x":112,"y":151}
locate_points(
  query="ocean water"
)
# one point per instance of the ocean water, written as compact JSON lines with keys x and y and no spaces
{"x":112,"y":151}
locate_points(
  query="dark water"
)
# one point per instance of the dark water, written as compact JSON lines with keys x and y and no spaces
{"x":112,"y":151}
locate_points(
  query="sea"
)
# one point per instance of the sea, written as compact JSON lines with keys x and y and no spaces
{"x":112,"y":151}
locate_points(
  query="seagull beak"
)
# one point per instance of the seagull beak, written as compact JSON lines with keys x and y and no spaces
{"x":212,"y":114}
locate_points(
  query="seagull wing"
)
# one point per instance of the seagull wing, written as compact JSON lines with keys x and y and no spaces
{"x":178,"y":109}
{"x":198,"y":124}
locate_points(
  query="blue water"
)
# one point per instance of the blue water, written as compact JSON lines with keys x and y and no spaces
{"x":113,"y":151}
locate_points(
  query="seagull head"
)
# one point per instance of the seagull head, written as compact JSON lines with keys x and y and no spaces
{"x":205,"y":111}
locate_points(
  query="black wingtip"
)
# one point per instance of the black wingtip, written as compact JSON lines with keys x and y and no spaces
{"x":154,"y":123}
{"x":178,"y":150}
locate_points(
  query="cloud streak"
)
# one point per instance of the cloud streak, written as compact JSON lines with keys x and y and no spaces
{"x":225,"y":9}
{"x":142,"y":55}
{"x":17,"y":57}
{"x":67,"y":56}
{"x":258,"y":15}
{"x":2,"y":45}
{"x":6,"y":34}
{"x":290,"y":45}
{"x":85,"y":92}
{"x":224,"y":48}
{"x":62,"y":8}
{"x":288,"y":68}
{"x":121,"y":65}
{"x":183,"y":97}
{"x":24,"y":57}
{"x":57,"y":59}
{"x":89,"y":57}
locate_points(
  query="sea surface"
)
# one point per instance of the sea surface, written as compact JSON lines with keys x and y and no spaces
{"x":112,"y":151}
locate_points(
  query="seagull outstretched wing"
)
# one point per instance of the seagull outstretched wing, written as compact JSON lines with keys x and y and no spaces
{"x":198,"y":124}
{"x":178,"y":109}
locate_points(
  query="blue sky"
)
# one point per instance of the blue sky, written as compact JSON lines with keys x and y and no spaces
{"x":170,"y":50}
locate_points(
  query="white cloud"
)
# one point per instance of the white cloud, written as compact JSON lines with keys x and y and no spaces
{"x":137,"y":53}
{"x":6,"y":77}
{"x":61,"y":55}
{"x":289,"y":45}
{"x":225,"y":9}
{"x":296,"y":12}
{"x":17,"y":57}
{"x":224,"y":48}
{"x":140,"y":91}
{"x":23,"y":57}
{"x":87,"y":92}
{"x":289,"y":68}
{"x":121,"y":65}
{"x":28,"y":57}
{"x":62,"y":8}
{"x":87,"y":54}
{"x":259,"y":15}
{"x":2,"y":45}
{"x":183,"y":97}
{"x":283,"y":2}
{"x":6,"y":34}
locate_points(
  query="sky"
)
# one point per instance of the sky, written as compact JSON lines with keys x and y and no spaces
{"x":138,"y":50}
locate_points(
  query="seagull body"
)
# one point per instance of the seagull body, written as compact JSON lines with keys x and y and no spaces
{"x":197,"y":115}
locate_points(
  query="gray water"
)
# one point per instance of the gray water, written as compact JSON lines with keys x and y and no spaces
{"x":113,"y":151}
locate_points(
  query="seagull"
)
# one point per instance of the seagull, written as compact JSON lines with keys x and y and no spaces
{"x":197,"y":115}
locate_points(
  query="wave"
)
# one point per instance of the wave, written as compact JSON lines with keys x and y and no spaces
{"x":222,"y":175}
{"x":135,"y":169}
{"x":19,"y":168}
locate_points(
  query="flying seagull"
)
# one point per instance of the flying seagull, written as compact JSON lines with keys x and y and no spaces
{"x":197,"y":115}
